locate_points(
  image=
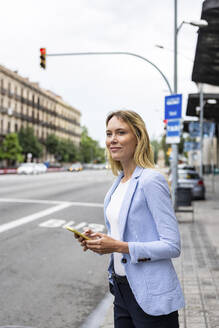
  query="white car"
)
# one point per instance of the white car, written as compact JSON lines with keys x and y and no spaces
{"x":31,"y":168}
{"x":27,"y":168}
{"x":40,"y":168}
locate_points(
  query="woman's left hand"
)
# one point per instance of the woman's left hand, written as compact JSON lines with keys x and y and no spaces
{"x":102,"y":244}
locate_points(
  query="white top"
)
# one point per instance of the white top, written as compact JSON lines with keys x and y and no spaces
{"x":112,"y":213}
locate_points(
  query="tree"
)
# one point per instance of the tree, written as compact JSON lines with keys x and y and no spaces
{"x":52,"y":144}
{"x":11,"y":149}
{"x":90,"y":149}
{"x":29,"y":142}
{"x":156,"y":146}
{"x":73,"y":151}
{"x":165,"y":147}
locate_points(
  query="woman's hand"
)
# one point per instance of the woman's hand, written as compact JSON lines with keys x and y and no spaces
{"x":103,"y":244}
{"x":87,"y":232}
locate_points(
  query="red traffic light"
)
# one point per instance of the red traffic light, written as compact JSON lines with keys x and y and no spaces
{"x":43,"y":51}
{"x":43,"y":57}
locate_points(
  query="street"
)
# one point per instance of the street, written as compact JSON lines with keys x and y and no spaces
{"x":46,"y":280}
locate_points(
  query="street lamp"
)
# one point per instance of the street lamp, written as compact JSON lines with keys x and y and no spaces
{"x":200,"y":23}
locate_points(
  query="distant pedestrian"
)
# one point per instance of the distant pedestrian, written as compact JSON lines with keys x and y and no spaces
{"x":142,"y":229}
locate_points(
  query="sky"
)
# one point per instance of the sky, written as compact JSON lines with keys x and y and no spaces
{"x":97,"y":85}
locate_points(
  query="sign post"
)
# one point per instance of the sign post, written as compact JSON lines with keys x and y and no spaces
{"x":173,"y":115}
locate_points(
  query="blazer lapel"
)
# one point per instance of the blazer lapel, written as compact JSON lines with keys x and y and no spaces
{"x":126,"y":205}
{"x":128,"y":199}
{"x":108,"y":197}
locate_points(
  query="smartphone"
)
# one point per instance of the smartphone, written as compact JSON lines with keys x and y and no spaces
{"x":77,"y":233}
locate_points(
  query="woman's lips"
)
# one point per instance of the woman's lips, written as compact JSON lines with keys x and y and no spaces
{"x":115,"y":148}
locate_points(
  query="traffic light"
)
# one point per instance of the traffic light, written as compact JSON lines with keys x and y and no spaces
{"x":165,"y":124}
{"x":43,"y":58}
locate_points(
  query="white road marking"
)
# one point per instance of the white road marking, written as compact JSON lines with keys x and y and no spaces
{"x":60,"y":205}
{"x":53,"y":223}
{"x":34,"y":201}
{"x":68,"y":224}
{"x":32,"y":217}
{"x":80,"y":225}
{"x":42,"y":201}
{"x":56,"y":223}
{"x":96,"y":227}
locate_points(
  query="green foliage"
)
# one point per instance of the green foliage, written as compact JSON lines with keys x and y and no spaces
{"x":29,"y":142}
{"x":90,"y":150}
{"x":165,"y":147}
{"x":156,"y":147}
{"x":63,"y":150}
{"x":11,"y":149}
{"x":52,"y":144}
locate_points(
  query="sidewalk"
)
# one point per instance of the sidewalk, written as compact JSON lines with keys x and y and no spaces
{"x":198,"y":265}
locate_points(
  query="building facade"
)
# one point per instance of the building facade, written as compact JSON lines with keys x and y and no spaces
{"x":24,"y":103}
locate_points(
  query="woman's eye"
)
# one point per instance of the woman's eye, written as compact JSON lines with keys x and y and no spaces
{"x":108,"y":134}
{"x":121,"y":132}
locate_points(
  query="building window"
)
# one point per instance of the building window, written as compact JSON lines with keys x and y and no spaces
{"x":9,"y":88}
{"x":9,"y":127}
{"x":2,"y":83}
{"x":15,"y":127}
{"x":2,"y":125}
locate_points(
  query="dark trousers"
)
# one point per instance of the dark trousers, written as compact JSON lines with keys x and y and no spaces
{"x":128,"y":314}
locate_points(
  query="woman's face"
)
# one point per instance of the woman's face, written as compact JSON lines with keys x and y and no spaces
{"x":120,"y":140}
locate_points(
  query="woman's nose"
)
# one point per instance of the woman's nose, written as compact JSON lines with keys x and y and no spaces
{"x":113,"y":138}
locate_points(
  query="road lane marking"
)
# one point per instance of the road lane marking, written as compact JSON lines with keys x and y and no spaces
{"x":80,"y":225}
{"x":52,"y":223}
{"x":32,"y":217}
{"x":34,"y":201}
{"x":56,"y":223}
{"x":42,"y":201}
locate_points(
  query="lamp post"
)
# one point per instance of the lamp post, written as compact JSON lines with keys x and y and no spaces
{"x":200,"y":23}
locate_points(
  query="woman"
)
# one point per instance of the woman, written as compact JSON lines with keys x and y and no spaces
{"x":142,"y":231}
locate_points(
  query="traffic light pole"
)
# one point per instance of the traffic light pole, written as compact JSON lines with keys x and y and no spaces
{"x":115,"y":53}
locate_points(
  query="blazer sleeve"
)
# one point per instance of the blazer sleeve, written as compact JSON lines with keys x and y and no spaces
{"x":157,"y":195}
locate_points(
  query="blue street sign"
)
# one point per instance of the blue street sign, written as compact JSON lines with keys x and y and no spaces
{"x":191,"y":145}
{"x":208,"y":129}
{"x":173,"y":131}
{"x":173,"y":107}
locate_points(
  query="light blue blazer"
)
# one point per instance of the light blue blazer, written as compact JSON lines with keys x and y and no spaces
{"x":148,"y":223}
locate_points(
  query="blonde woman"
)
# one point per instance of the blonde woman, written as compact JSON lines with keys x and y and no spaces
{"x":142,"y":229}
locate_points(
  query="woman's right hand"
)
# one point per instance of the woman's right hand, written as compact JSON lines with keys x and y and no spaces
{"x":87,"y":232}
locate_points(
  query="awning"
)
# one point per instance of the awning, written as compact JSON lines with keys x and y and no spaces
{"x":206,"y":64}
{"x":211,"y":111}
{"x":211,"y":107}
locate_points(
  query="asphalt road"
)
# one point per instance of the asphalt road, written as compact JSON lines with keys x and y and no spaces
{"x":46,"y":280}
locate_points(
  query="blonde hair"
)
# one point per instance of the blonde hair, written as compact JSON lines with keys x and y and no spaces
{"x":143,"y":155}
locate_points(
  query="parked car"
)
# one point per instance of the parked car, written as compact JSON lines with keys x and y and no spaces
{"x":40,"y":168}
{"x":186,"y":167}
{"x":75,"y":167}
{"x":191,"y":179}
{"x":27,"y":168}
{"x":31,"y":168}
